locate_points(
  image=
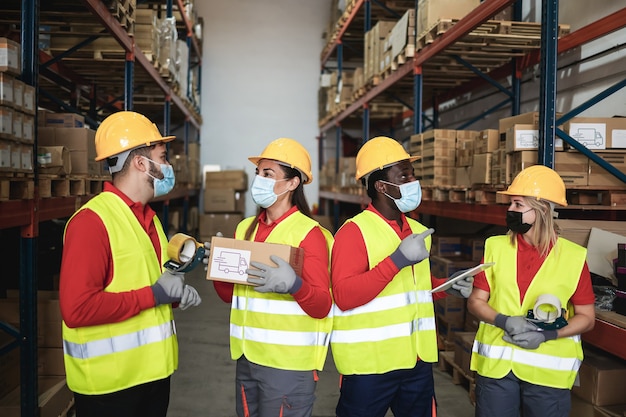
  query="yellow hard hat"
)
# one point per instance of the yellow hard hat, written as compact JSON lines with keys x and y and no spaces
{"x":124,"y":131}
{"x":290,"y":153}
{"x":378,"y":153}
{"x":540,"y":182}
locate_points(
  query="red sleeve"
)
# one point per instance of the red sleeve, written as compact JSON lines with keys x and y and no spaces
{"x":224,"y":290}
{"x":86,"y":269}
{"x":354,"y":283}
{"x":584,"y":292}
{"x":435,"y":283}
{"x":314,"y":294}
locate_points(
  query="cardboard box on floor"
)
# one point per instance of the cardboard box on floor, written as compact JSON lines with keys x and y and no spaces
{"x":601,"y":379}
{"x":230,"y":258}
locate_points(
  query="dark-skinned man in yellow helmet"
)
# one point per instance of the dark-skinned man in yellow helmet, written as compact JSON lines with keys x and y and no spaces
{"x":116,"y":298}
{"x":384,"y":338}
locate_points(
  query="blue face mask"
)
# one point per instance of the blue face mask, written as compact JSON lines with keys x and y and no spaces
{"x":410,"y":195}
{"x":163,"y":185}
{"x":262,"y":191}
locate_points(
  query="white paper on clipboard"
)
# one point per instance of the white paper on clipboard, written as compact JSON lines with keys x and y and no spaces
{"x":468,"y":272}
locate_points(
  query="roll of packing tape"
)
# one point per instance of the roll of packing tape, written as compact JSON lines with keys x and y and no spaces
{"x":547,"y":308}
{"x":181,"y":248}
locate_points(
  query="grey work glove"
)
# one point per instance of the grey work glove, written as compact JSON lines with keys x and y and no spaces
{"x":190,"y":298}
{"x":530,"y":340}
{"x":207,"y":251}
{"x":514,"y":325}
{"x":281,"y":279}
{"x":462,"y":288}
{"x":411,"y":250}
{"x":168,"y":288}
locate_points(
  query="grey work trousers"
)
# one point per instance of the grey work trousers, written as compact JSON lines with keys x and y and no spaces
{"x":268,"y":392}
{"x":512,"y":397}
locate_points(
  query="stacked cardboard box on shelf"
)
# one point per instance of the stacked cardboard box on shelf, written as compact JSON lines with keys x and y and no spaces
{"x":55,"y":397}
{"x":17,"y":109}
{"x":224,"y":203}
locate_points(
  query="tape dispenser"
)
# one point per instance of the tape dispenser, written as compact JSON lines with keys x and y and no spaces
{"x":184,"y":253}
{"x":547,"y":313}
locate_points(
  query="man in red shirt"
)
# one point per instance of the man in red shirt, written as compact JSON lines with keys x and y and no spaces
{"x":384,"y":336}
{"x":116,"y":298}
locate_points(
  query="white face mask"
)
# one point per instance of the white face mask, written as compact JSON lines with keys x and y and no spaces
{"x":163,"y":185}
{"x":262,"y":191}
{"x":410,"y":195}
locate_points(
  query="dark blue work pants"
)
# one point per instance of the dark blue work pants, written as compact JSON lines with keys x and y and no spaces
{"x":408,"y":392}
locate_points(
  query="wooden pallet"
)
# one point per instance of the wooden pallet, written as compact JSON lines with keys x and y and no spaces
{"x":491,"y":34}
{"x":595,"y":196}
{"x":16,"y":186}
{"x":124,"y":12}
{"x":459,"y":377}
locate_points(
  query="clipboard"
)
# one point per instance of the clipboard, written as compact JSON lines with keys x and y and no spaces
{"x":469,"y":272}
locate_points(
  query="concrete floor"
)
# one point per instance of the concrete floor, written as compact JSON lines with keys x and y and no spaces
{"x":204,"y":382}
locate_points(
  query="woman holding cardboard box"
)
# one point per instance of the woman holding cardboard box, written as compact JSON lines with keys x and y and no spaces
{"x":533,"y":305}
{"x":280,"y":324}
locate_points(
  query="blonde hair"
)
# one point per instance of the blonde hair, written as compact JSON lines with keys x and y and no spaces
{"x":545,"y":232}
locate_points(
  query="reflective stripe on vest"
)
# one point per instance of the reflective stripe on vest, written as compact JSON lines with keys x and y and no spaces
{"x":400,"y":319}
{"x":120,"y":343}
{"x":554,"y":363}
{"x":105,"y":358}
{"x":265,"y":323}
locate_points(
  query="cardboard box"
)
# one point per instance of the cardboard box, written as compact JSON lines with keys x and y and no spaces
{"x":598,"y":132}
{"x":224,"y":200}
{"x":81,"y":144}
{"x":451,"y":309}
{"x":230,"y":258}
{"x":29,"y":100}
{"x":599,"y":177}
{"x":54,"y":160}
{"x":446,"y":246}
{"x":578,"y":230}
{"x":444,"y":267}
{"x":10,"y":60}
{"x":463,"y":342}
{"x":55,"y":398}
{"x":6,"y":123}
{"x":224,"y":223}
{"x":480,"y":172}
{"x":473,"y":248}
{"x":234,"y":179}
{"x":429,"y":12}
{"x":601,"y":379}
{"x":523,"y":137}
{"x":488,"y":141}
{"x":68,"y":120}
{"x":18,"y":95}
{"x":6,"y":90}
{"x":28,"y":128}
{"x":5,"y":155}
{"x":573,"y":167}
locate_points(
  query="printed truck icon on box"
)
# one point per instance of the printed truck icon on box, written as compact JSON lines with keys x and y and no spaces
{"x":231,"y":262}
{"x":588,"y":136}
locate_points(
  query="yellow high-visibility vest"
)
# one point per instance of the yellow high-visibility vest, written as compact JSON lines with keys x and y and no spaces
{"x":554,"y":363}
{"x":271,"y":329}
{"x":111,"y":357}
{"x":398,"y":326}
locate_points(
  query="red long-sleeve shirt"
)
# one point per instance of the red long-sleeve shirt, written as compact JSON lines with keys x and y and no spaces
{"x":528,"y":263}
{"x":314,"y":294}
{"x":354,"y":283}
{"x":87,"y":268}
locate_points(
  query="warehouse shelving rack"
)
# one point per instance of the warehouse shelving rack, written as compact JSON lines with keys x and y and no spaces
{"x":605,"y":335}
{"x":27,"y":214}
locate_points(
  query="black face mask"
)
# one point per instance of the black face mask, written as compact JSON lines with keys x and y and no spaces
{"x":514,"y":222}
